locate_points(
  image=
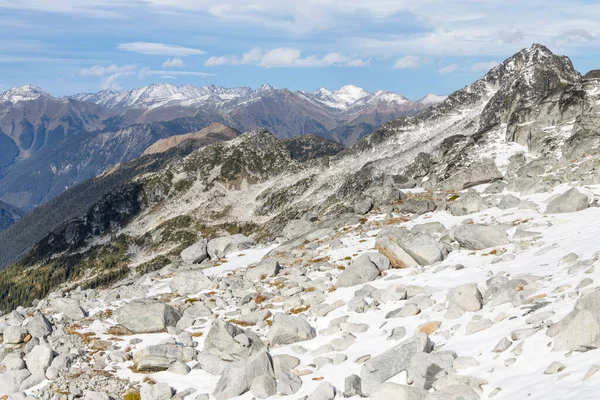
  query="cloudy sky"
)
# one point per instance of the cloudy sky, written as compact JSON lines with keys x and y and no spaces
{"x":413,"y":47}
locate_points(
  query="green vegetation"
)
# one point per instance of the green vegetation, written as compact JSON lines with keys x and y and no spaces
{"x":20,"y":284}
{"x":153,"y":265}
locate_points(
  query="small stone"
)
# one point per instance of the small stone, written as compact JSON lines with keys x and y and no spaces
{"x":352,"y":386}
{"x":502,"y":345}
{"x":593,"y":369}
{"x":554,"y":368}
{"x":520,"y":334}
{"x":477,"y":326}
{"x":429,"y":327}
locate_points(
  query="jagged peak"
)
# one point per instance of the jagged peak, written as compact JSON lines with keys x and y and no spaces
{"x":526,"y":61}
{"x":24,"y":93}
{"x":265,"y":87}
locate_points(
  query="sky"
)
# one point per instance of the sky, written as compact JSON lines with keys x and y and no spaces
{"x":412,"y":47}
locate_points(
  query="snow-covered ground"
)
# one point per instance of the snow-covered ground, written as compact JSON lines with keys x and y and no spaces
{"x":518,"y":376}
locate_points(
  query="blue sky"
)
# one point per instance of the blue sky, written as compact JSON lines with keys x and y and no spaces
{"x":412,"y":47}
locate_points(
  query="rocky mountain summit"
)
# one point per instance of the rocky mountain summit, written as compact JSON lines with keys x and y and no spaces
{"x":450,"y":255}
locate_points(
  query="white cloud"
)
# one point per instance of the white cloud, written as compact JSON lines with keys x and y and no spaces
{"x":90,"y":8}
{"x":483,"y":66}
{"x":448,"y":69}
{"x":408,"y":61}
{"x":159,"y":49}
{"x":223,"y":60}
{"x":168,"y":77}
{"x":287,"y":57}
{"x":98,"y":70}
{"x":110,"y":75}
{"x":174,"y":63}
{"x":150,"y":72}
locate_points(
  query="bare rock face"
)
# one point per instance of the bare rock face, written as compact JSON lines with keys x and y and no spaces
{"x":580,"y":329}
{"x":224,"y":341}
{"x":288,"y":329}
{"x":220,"y":247}
{"x":190,"y":282}
{"x":147,"y":316}
{"x":570,"y":201}
{"x":381,"y":368}
{"x":479,"y":236}
{"x":239,"y":376}
{"x":195,"y":253}
{"x":484,"y":171}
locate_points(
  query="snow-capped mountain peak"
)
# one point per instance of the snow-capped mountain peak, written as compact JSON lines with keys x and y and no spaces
{"x":23,"y":93}
{"x":350,"y":93}
{"x":265,"y":87}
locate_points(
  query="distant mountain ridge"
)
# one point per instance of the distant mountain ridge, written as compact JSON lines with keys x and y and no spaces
{"x":49,"y":144}
{"x":157,"y":95}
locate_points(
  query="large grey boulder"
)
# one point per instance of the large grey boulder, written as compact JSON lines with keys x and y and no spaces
{"x":190,"y":282}
{"x":197,"y":310}
{"x":238,"y":377}
{"x":423,"y":248}
{"x":390,"y":363}
{"x":224,"y":341}
{"x":468,"y":203}
{"x":464,"y":298}
{"x":580,"y":329}
{"x":12,"y":362}
{"x":158,"y":391}
{"x":484,"y":171}
{"x":480,"y":236}
{"x":14,"y":334}
{"x":263,"y":386}
{"x":283,"y":363}
{"x":15,"y":318}
{"x":70,"y":308}
{"x":287,"y":329}
{"x":39,"y":326}
{"x":570,"y":201}
{"x":408,"y":249}
{"x":399,"y":258}
{"x":39,"y":359}
{"x":503,"y":290}
{"x":266,"y":268}
{"x":221,"y":247}
{"x":196,"y":253}
{"x":211,"y":363}
{"x":509,"y":201}
{"x":157,"y":357}
{"x":288,"y":384}
{"x":362,"y":270}
{"x":10,"y":381}
{"x":416,"y":206}
{"x":426,"y":368}
{"x":363,"y":205}
{"x":147,"y":316}
{"x":433,"y":229}
{"x":325,"y":391}
{"x":389,"y":391}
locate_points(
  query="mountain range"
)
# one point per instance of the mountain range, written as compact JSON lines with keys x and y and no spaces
{"x":48,"y":144}
{"x":446,"y":255}
{"x":468,"y":128}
